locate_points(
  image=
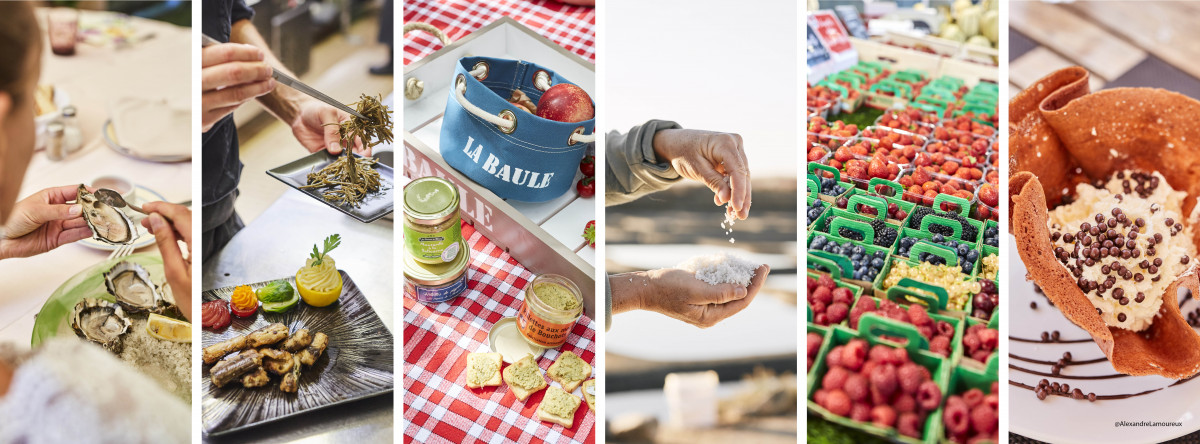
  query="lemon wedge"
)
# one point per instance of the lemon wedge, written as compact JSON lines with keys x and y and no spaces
{"x":167,"y":329}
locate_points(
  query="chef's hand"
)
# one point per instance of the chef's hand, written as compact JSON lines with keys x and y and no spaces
{"x":715,"y":158}
{"x":6,"y":375}
{"x":231,"y":74}
{"x":43,"y":222}
{"x":317,"y":128}
{"x":678,"y":294}
{"x":170,"y":224}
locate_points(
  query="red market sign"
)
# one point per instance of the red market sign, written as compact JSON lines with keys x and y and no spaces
{"x":832,"y":32}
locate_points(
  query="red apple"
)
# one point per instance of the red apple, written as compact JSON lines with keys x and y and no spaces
{"x":565,"y":102}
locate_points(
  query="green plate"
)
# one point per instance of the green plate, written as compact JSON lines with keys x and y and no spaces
{"x":52,"y":319}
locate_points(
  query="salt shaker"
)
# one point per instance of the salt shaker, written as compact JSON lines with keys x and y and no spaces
{"x":54,"y":141}
{"x":72,"y":135}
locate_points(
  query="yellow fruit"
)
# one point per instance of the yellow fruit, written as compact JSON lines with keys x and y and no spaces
{"x":167,"y":329}
{"x":317,"y":298}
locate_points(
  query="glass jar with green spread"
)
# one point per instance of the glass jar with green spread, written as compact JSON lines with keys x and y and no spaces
{"x":432,"y":230}
{"x":552,"y":305}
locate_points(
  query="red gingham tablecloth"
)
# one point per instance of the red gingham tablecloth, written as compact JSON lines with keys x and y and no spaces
{"x":438,"y":406}
{"x":572,"y":27}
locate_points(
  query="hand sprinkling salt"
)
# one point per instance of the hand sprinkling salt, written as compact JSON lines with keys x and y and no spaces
{"x":722,"y":268}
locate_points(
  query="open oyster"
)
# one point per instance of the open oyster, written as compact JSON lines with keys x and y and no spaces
{"x":131,"y":285}
{"x":108,"y":224}
{"x":100,"y":321}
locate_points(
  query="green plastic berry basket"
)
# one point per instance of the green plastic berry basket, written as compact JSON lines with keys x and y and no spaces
{"x":993,"y":324}
{"x":964,"y":210}
{"x":836,"y":275}
{"x":902,"y":298}
{"x":825,"y":333}
{"x":944,"y":303}
{"x":939,"y":370}
{"x":963,"y":379}
{"x":837,"y":176}
{"x":877,"y":201}
{"x":851,"y":221}
{"x":843,"y":261}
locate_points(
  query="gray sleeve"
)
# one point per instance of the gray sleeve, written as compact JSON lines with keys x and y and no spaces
{"x":632,"y":169}
{"x":607,"y":305}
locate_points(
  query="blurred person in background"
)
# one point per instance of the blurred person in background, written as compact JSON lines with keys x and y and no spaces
{"x":233,"y":73}
{"x":387,"y":37}
{"x":46,"y":396}
{"x":651,"y":158}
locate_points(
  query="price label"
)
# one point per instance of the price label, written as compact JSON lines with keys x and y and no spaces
{"x":829,"y":29}
{"x":852,"y":20}
{"x":820,"y":63}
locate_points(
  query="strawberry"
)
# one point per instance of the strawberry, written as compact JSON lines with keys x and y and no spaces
{"x":589,"y":233}
{"x":586,"y":187}
{"x":588,"y":166}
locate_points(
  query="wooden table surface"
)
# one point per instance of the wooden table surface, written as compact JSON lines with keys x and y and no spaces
{"x":1123,"y":44}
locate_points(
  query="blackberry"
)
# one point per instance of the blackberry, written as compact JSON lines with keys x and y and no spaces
{"x":885,"y":236}
{"x":815,"y":210}
{"x":969,"y":232}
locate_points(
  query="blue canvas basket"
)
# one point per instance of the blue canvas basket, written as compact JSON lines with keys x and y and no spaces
{"x":513,"y":153}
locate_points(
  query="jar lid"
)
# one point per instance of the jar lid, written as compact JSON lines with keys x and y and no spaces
{"x":438,"y":274}
{"x":430,"y":198}
{"x":506,"y":339}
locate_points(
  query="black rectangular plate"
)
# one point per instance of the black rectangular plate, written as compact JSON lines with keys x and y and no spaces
{"x":357,"y":364}
{"x":373,"y":207}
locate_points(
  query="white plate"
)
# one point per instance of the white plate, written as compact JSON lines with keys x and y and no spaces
{"x":141,"y":197}
{"x":1064,"y":420}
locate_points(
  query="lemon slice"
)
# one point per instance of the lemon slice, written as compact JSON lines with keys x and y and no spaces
{"x":167,"y":329}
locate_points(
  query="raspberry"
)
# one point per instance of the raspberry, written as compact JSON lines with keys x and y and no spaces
{"x":866,"y":304}
{"x":843,"y":295}
{"x":883,"y":416}
{"x":925,"y":330}
{"x":984,"y":419}
{"x":883,"y":378}
{"x":995,"y":387}
{"x":918,"y":315}
{"x":812,"y":284}
{"x":810,"y":362}
{"x":868,"y":367}
{"x":972,"y":397}
{"x":826,"y":281}
{"x":819,"y":396}
{"x":988,"y":338}
{"x":837,"y":312}
{"x":992,"y":400}
{"x":822,"y":295}
{"x":819,"y":307}
{"x":856,"y":387}
{"x":910,"y":377}
{"x":940,"y":345}
{"x":834,"y":358}
{"x":821,"y":319}
{"x":878,"y":398}
{"x":909,"y":424}
{"x":899,"y":357}
{"x":860,"y":412}
{"x":855,"y":314}
{"x":837,"y":403}
{"x":835,"y":378}
{"x":854,"y":354}
{"x":929,"y":396}
{"x":904,"y":402}
{"x":971,"y":341}
{"x":814,"y":344}
{"x":880,"y":352}
{"x":956,"y":416}
{"x":981,"y":355}
{"x":945,"y":329}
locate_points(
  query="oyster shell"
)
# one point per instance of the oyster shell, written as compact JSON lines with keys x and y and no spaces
{"x":131,"y":285}
{"x":109,"y":224}
{"x":100,"y":321}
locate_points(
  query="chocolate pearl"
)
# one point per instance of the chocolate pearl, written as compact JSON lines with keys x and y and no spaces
{"x":1107,"y":244}
{"x":1132,"y":236}
{"x":1066,"y":387}
{"x":1157,"y":237}
{"x":1100,"y":218}
{"x":1170,"y":222}
{"x":1138,"y":277}
{"x":1044,"y":382}
{"x":1184,"y":259}
{"x":1112,"y":223}
{"x":1041,"y":395}
{"x":1153,"y":270}
{"x":1124,"y":301}
{"x":1085,"y":226}
{"x":1033,"y":305}
{"x":1119,"y":242}
{"x":1105,"y":269}
{"x":1068,"y":238}
{"x":1118,"y":293}
{"x":1151,"y":251}
{"x":1054,"y":335}
{"x":1062,"y":363}
{"x":1121,"y":175}
{"x":1125,"y":254}
{"x":1120,"y":317}
{"x":1054,"y":237}
{"x":1090,"y":262}
{"x":1140,"y":297}
{"x":1158,"y":262}
{"x":1144,"y":264}
{"x":1055,"y":370}
{"x":1099,"y":311}
{"x":1077,"y":394}
{"x":1091,"y":397}
{"x":1114,"y":251}
{"x":1116,"y":212}
{"x":1086,"y":241}
{"x":1067,"y":356}
{"x":1135,"y":253}
{"x":1112,"y":234}
{"x":1140,"y":222}
{"x":1045,"y":337}
{"x":1178,"y":227}
{"x":1095,"y":231}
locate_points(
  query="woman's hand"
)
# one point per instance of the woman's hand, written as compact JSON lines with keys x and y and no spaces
{"x":678,"y":294}
{"x":43,"y":222}
{"x":170,"y":224}
{"x":717,"y":159}
{"x":317,"y":128}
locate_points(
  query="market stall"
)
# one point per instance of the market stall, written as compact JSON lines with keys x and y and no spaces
{"x":903,"y":236}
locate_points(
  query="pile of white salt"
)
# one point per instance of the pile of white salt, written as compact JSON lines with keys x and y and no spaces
{"x":722,"y":268}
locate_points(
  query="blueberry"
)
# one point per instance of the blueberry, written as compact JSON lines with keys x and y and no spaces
{"x":938,"y":238}
{"x":877,"y":262}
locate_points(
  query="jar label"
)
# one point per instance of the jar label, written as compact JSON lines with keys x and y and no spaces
{"x":541,"y":331}
{"x":433,"y":248}
{"x":443,"y":293}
